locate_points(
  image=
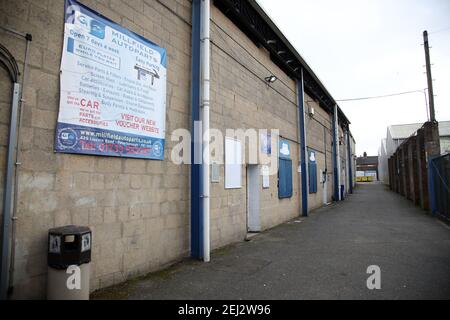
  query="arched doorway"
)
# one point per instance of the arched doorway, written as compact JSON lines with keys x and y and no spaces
{"x":9,"y":102}
{"x":6,"y":86}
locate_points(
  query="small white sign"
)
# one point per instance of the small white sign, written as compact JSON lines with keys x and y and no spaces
{"x":85,"y":242}
{"x":54,"y":245}
{"x":215,"y":172}
{"x":284,"y":150}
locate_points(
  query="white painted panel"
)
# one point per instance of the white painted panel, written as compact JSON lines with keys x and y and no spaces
{"x":233,"y":164}
{"x":253,"y":185}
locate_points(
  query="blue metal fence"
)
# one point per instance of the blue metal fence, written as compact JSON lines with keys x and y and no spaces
{"x":440,"y":186}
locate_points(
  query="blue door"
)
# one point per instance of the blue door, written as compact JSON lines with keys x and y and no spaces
{"x":312,"y":171}
{"x":285,"y":178}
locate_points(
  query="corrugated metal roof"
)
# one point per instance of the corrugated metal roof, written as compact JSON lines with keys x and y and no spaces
{"x":444,"y":128}
{"x":403,"y":131}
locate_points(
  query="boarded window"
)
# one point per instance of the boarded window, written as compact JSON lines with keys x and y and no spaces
{"x":285,"y":178}
{"x":312,"y":172}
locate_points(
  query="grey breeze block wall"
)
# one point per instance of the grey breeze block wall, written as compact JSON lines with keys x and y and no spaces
{"x":319,"y":138}
{"x":139,"y":209}
{"x":240,"y":98}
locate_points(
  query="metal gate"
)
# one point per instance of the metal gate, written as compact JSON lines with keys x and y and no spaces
{"x":440,"y":186}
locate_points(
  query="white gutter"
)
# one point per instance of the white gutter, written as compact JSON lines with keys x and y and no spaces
{"x":204,"y":110}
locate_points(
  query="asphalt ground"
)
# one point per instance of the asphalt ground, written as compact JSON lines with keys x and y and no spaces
{"x":323,"y":256}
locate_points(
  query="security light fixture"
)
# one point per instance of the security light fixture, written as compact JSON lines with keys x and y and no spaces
{"x":271,"y":79}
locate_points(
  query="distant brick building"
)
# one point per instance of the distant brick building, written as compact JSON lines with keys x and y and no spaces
{"x":368,"y":165}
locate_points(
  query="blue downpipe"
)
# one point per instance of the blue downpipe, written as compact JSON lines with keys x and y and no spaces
{"x":301,"y":122}
{"x":196,"y":168}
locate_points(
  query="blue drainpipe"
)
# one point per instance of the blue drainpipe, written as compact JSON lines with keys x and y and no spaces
{"x":302,"y":135}
{"x":196,"y":167}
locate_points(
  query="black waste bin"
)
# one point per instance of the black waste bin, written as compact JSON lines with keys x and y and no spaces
{"x":69,"y":257}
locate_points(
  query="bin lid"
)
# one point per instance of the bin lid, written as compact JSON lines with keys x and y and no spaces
{"x":70,"y":229}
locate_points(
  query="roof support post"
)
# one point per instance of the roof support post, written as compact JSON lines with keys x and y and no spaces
{"x":205,"y":13}
{"x":336,"y":162}
{"x":302,"y":138}
{"x":350,"y":161}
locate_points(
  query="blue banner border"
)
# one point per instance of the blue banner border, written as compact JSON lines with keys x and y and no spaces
{"x":93,"y":14}
{"x":73,"y":146}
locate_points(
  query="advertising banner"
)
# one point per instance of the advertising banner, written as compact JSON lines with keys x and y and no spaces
{"x":113,"y":89}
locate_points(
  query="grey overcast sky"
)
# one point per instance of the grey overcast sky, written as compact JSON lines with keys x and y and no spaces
{"x":361,"y":48}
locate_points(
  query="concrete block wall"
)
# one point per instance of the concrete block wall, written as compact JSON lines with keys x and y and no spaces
{"x":241,"y":99}
{"x":319,"y":137}
{"x":138,"y":210}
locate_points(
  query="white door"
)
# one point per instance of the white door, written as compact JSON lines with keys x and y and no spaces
{"x":253,"y":189}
